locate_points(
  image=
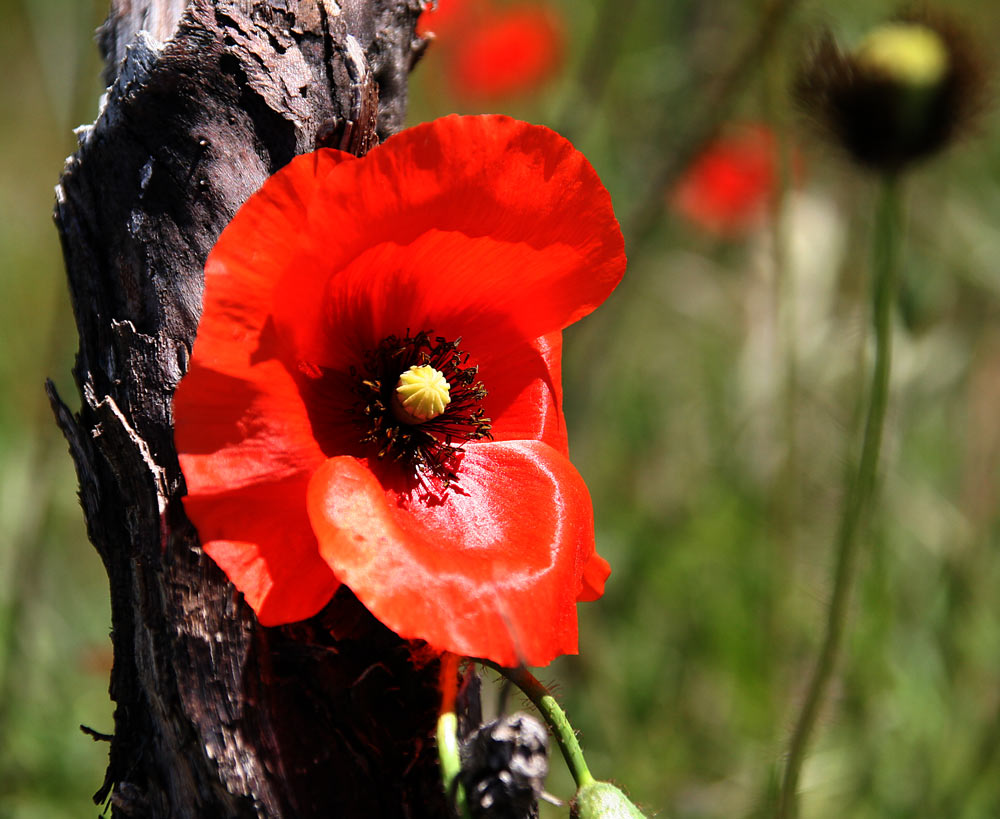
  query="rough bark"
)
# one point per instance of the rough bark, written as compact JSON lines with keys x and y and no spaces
{"x":216,"y":716}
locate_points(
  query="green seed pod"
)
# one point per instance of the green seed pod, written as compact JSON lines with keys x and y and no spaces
{"x":602,"y":800}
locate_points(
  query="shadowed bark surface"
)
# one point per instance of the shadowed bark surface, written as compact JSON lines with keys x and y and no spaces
{"x":215,"y":715}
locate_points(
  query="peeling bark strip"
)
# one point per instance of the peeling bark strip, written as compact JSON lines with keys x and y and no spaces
{"x":216,"y":716}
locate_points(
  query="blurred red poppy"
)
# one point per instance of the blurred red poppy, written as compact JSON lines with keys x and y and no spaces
{"x":459,"y":248}
{"x":507,"y":52}
{"x":443,"y":16}
{"x":728,"y":188}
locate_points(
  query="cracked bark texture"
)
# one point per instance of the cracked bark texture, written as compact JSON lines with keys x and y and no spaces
{"x":215,"y":715}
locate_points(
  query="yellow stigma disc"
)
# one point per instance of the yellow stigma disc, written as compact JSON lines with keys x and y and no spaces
{"x":421,"y":394}
{"x":909,"y":53}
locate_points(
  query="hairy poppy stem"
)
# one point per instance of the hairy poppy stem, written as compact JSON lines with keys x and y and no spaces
{"x":860,"y":487}
{"x":556,"y":718}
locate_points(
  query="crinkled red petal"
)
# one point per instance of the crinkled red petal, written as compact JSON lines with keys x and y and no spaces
{"x":595,"y":574}
{"x":461,"y":225}
{"x":261,"y":538}
{"x":524,"y":396}
{"x":243,"y":435}
{"x":247,"y":452}
{"x":492,"y":570}
{"x":254,"y":253}
{"x":237,"y":431}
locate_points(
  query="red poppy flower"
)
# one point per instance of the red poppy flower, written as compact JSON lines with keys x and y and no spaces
{"x":342,"y":295}
{"x":728,"y":188}
{"x":506,"y":53}
{"x":443,"y":16}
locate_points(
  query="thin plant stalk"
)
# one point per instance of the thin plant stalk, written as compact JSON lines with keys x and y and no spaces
{"x":717,"y":107}
{"x":447,"y":737}
{"x":556,"y":718}
{"x":783,"y":299}
{"x":859,"y":491}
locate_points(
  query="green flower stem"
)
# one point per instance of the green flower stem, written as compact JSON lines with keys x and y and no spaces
{"x":451,"y":765}
{"x":556,"y":719}
{"x":859,"y":490}
{"x":449,"y":756}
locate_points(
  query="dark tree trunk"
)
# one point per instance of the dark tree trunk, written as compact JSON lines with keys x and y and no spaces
{"x":216,"y":716}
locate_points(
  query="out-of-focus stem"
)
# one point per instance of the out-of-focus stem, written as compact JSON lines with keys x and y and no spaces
{"x":600,"y":53}
{"x":859,"y":491}
{"x":783,"y":304}
{"x":447,"y":736}
{"x":717,"y":106}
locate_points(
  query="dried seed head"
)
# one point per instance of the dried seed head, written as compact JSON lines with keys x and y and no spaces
{"x":908,"y":89}
{"x":504,"y":765}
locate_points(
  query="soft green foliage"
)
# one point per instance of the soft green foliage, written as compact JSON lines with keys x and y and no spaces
{"x":55,"y":654}
{"x":712,"y":404}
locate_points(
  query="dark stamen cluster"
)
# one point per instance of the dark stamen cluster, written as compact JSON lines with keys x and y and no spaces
{"x":434,"y":447}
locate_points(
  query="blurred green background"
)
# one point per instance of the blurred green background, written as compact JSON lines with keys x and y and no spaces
{"x":712,"y":404}
{"x":55,"y":654}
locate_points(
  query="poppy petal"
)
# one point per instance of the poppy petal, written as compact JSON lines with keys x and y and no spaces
{"x":524,"y":393}
{"x":595,"y":574}
{"x":492,"y":570}
{"x":261,"y":538}
{"x":252,"y":255}
{"x":237,"y":431}
{"x":516,"y":227}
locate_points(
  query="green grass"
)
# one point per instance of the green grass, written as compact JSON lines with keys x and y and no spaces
{"x":54,"y":613}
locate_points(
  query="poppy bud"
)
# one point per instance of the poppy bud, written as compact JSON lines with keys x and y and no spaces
{"x":902,"y":95}
{"x":602,"y":800}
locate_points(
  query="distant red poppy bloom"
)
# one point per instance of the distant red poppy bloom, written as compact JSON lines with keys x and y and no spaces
{"x":443,"y":15}
{"x":507,"y":52}
{"x":728,"y":188}
{"x":374,"y":393}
